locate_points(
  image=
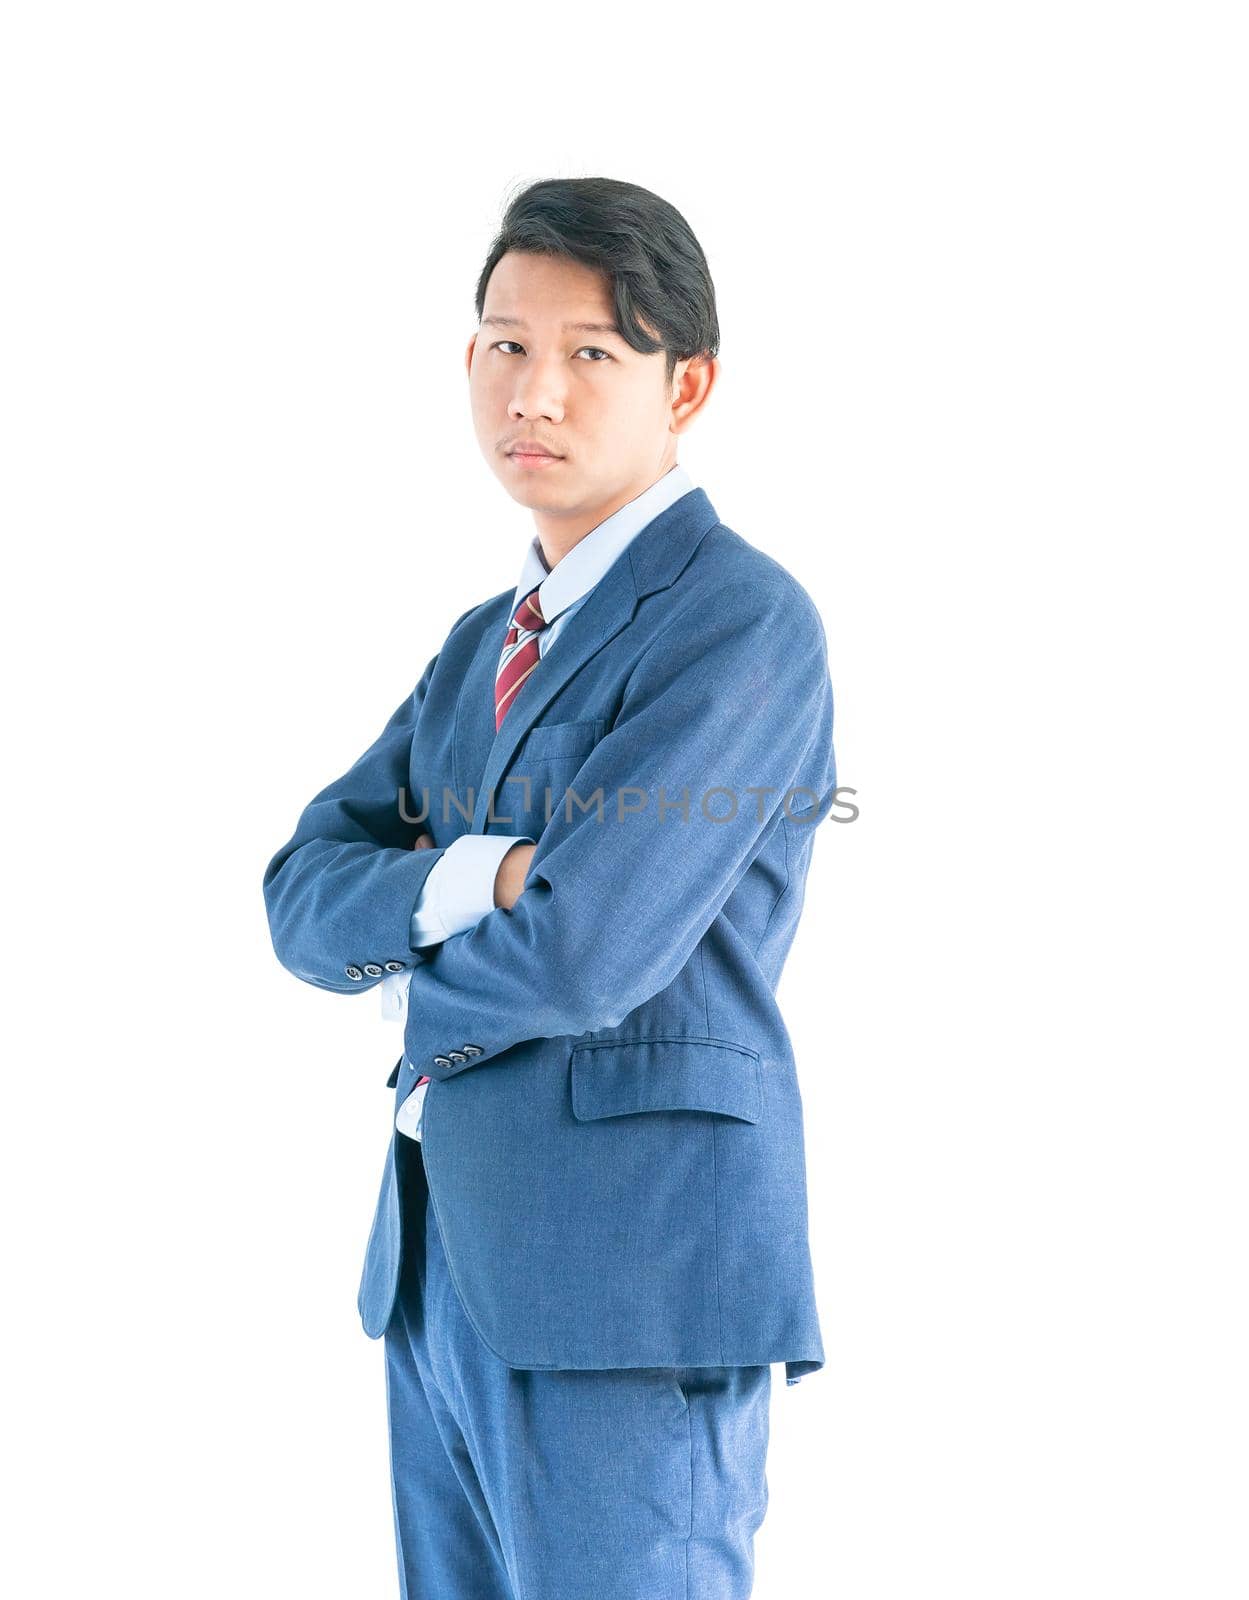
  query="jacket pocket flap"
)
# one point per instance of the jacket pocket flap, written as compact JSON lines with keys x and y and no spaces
{"x":564,"y":738}
{"x":611,"y":1078}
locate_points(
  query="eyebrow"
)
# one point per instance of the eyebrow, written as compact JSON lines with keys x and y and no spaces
{"x":569,"y":327}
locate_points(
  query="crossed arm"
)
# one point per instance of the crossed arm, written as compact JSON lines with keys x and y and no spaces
{"x":732,"y":698}
{"x":340,"y":892}
{"x":730,"y":706}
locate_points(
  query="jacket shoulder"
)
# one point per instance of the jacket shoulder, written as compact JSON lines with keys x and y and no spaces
{"x":726,"y":561}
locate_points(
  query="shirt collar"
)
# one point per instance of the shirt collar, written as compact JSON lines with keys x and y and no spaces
{"x":576,"y":573}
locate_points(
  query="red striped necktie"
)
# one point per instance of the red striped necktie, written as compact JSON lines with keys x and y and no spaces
{"x":520,"y":654}
{"x":518,"y":659}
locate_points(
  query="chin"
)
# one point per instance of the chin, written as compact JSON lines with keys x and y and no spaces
{"x":527,"y":490}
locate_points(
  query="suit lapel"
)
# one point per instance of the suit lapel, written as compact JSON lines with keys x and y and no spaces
{"x":650,"y":561}
{"x":474,"y":724}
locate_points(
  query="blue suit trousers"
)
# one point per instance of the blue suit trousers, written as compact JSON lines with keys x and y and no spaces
{"x":511,"y":1483}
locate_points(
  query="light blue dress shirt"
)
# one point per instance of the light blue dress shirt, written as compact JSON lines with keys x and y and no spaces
{"x":459,"y":890}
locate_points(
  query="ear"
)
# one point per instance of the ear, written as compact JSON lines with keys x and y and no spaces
{"x":468,"y":355}
{"x":692,"y":383}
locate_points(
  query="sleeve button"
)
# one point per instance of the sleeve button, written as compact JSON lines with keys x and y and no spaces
{"x":372,"y":970}
{"x":354,"y":973}
{"x":394,"y":966}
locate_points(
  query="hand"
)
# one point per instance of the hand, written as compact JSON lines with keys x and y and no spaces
{"x":509,"y":880}
{"x":424,"y":841}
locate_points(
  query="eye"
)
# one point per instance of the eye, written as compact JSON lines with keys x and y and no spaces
{"x":593,"y":349}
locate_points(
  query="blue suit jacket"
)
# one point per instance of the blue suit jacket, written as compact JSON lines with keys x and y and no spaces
{"x":613,"y":1134}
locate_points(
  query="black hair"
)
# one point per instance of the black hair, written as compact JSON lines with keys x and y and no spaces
{"x":656,"y":267}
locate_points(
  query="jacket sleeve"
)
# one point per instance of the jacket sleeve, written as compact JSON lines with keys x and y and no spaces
{"x":731,"y":703}
{"x":341,"y":891}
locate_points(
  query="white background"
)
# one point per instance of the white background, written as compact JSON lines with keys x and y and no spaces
{"x":981,"y":275}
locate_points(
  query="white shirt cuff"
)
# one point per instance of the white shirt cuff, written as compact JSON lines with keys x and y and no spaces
{"x":459,"y":890}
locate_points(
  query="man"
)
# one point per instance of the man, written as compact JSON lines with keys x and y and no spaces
{"x":574,"y":859}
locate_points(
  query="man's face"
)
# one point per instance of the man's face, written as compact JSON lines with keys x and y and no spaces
{"x":582,"y":392}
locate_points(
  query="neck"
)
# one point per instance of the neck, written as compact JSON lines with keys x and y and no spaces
{"x":558,"y":533}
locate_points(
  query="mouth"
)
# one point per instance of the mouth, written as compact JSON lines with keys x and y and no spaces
{"x":524,"y":456}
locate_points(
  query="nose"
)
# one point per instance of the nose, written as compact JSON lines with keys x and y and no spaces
{"x":536,"y":392}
